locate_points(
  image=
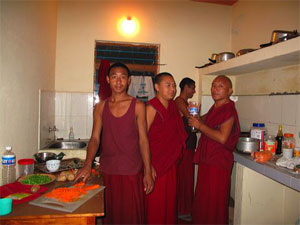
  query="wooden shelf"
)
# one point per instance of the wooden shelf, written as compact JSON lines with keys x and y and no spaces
{"x":282,"y":54}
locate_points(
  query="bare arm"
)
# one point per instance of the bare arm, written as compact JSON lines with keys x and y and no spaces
{"x":93,"y":143}
{"x":182,"y":107}
{"x":220,"y":135}
{"x":150,"y":115}
{"x":144,"y":145}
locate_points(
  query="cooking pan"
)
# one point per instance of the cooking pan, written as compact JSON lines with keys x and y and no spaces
{"x":247,"y":145}
{"x":279,"y":36}
{"x":224,"y":56}
{"x":213,"y":58}
{"x":244,"y":51}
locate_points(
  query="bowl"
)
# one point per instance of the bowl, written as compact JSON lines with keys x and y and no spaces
{"x":53,"y":165}
{"x":5,"y":205}
{"x":247,"y":145}
{"x":44,"y":156}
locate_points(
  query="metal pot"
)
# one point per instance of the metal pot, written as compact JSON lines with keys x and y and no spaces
{"x":213,"y":58}
{"x":247,"y":145}
{"x":281,"y":35}
{"x":244,"y":51}
{"x":224,"y":56}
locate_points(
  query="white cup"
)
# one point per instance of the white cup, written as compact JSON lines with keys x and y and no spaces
{"x":287,"y":153}
{"x":53,"y":165}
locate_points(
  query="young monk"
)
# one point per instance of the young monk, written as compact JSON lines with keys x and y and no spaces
{"x":220,"y":132}
{"x":167,"y":139}
{"x":185,"y":192}
{"x":125,"y":151}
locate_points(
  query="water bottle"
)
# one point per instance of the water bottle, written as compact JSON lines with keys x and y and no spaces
{"x":193,"y":109}
{"x":8,"y":166}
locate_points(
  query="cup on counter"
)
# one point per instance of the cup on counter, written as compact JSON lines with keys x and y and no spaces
{"x":287,"y":153}
{"x":26,"y":166}
{"x":5,"y":206}
{"x":53,"y":165}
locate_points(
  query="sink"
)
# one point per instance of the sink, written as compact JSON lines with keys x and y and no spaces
{"x":67,"y":145}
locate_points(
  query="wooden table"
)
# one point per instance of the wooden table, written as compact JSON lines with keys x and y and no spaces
{"x":26,"y":213}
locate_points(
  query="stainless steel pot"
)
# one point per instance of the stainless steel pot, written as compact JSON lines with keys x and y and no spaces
{"x":247,"y":145}
{"x":224,"y":56}
{"x":281,"y":35}
{"x":213,"y":58}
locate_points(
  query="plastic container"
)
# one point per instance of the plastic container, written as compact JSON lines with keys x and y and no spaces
{"x":270,"y":144}
{"x":71,"y":133}
{"x":287,"y":153}
{"x":26,"y":166}
{"x":258,"y":131}
{"x":297,"y":152}
{"x":8,"y":166}
{"x":288,"y":141}
{"x":193,"y":110}
{"x":5,"y":206}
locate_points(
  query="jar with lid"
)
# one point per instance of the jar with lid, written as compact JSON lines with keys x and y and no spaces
{"x":288,"y":141}
{"x":258,"y":131}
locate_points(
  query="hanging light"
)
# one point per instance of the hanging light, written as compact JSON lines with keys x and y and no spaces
{"x":129,"y":26}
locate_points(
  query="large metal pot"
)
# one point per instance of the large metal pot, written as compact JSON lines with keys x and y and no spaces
{"x":279,"y":36}
{"x":213,"y":58}
{"x":247,"y":145}
{"x":224,"y":56}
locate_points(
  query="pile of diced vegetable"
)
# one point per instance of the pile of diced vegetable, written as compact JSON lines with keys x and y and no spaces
{"x":36,"y":179}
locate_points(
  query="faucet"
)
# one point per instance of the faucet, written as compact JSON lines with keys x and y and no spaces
{"x":53,"y":130}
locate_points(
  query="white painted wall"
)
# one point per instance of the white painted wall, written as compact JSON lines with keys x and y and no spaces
{"x":188,"y":32}
{"x":28,"y":39}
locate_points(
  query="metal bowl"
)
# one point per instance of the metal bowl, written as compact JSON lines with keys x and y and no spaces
{"x":247,"y":145}
{"x":44,"y":156}
{"x":224,"y":56}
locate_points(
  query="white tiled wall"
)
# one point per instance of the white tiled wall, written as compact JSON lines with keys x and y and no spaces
{"x":271,"y":110}
{"x":70,"y":109}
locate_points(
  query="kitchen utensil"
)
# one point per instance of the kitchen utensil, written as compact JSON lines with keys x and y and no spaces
{"x":62,"y":206}
{"x":213,"y":58}
{"x":26,"y":166}
{"x":279,"y":36}
{"x":205,"y":65}
{"x":65,"y":164}
{"x":45,"y":156}
{"x":25,"y":179}
{"x":224,"y":56}
{"x":244,"y":51}
{"x":5,"y":205}
{"x":247,"y":145}
{"x":53,"y":165}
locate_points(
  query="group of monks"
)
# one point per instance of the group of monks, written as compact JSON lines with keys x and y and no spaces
{"x":148,"y":152}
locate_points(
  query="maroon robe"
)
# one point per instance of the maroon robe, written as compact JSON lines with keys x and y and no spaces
{"x":166,"y":139}
{"x":215,"y":163}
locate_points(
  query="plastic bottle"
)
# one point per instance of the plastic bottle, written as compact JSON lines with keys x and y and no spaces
{"x":279,"y":139}
{"x":8,"y":166}
{"x":71,"y":134}
{"x":258,"y":131}
{"x":193,"y":109}
{"x":270,"y":144}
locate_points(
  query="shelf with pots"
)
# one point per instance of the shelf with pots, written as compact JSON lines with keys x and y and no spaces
{"x":278,"y":55}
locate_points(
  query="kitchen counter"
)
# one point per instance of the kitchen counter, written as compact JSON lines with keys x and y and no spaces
{"x":264,"y":193}
{"x":29,"y":214}
{"x":282,"y":175}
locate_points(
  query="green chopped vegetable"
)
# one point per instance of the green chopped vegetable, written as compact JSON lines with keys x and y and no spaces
{"x":36,"y":179}
{"x":18,"y":196}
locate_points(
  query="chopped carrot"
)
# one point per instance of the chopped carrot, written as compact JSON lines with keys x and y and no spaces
{"x":91,"y":187}
{"x":79,"y":184}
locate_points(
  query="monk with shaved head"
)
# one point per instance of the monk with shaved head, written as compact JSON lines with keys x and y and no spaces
{"x":220,"y":131}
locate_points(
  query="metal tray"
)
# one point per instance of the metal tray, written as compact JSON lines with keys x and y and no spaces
{"x":65,"y":164}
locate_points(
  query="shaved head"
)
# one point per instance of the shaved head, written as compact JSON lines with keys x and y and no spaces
{"x":226,"y":79}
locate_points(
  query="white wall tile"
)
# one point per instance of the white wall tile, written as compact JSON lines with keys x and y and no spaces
{"x":275,"y":109}
{"x":289,"y":108}
{"x":79,"y":104}
{"x":298,"y":110}
{"x":206,"y":103}
{"x":80,"y":126}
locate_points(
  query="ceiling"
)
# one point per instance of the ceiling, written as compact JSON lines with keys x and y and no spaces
{"x":222,"y":2}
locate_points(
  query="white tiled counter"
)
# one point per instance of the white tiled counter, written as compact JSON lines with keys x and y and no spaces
{"x":265,"y":193}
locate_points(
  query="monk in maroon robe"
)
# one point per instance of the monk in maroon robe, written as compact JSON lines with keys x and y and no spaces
{"x":220,"y":132}
{"x":125,"y":158}
{"x":166,"y":139}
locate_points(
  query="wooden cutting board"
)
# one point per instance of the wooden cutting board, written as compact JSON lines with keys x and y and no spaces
{"x":64,"y":206}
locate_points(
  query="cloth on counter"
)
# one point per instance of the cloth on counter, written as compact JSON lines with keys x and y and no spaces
{"x":141,"y":87}
{"x":288,"y":163}
{"x":105,"y":90}
{"x":17,"y":187}
{"x":166,"y":136}
{"x":124,"y":199}
{"x":160,"y":204}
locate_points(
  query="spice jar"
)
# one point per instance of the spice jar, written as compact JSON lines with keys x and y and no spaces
{"x":26,"y":166}
{"x":288,"y":141}
{"x":297,"y":152}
